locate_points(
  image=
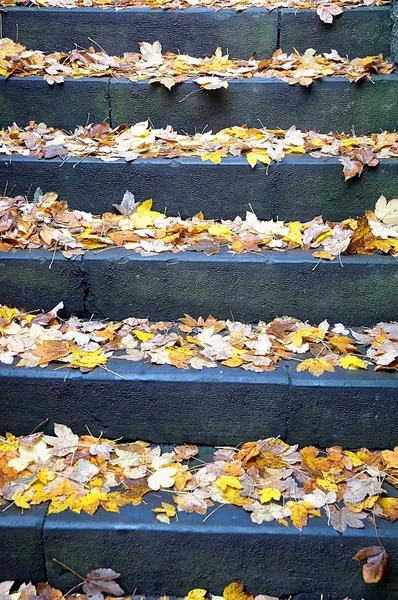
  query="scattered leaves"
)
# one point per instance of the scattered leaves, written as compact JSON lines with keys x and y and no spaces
{"x":141,"y":141}
{"x":50,"y":224}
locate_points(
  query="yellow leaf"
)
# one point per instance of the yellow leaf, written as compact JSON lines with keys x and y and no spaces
{"x":221,"y":231}
{"x":268,"y":494}
{"x":327,"y":484}
{"x":7,"y":313}
{"x":167,"y":509}
{"x":356,"y":461}
{"x":196,"y":594}
{"x":294,"y":234}
{"x":87,"y":360}
{"x":228,"y":480}
{"x":389,"y":507}
{"x":352,"y":362}
{"x":233,"y":496}
{"x":299,"y":514}
{"x":258,"y":156}
{"x":235,"y":591}
{"x":316,"y":366}
{"x":234,"y":361}
{"x":214,"y":157}
{"x":144,"y":216}
{"x":20,"y":501}
{"x":143,"y":336}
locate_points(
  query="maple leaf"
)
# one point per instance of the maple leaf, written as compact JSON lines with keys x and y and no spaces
{"x":162,"y":478}
{"x":327,"y":10}
{"x":165,"y":513}
{"x":389,"y":508}
{"x":378,"y":563}
{"x":268,"y":494}
{"x":232,"y":496}
{"x":352,"y":363}
{"x":358,"y":489}
{"x":64,"y":443}
{"x":102,"y":580}
{"x":319,"y":498}
{"x":128,"y":205}
{"x":191,"y":502}
{"x":51,"y":350}
{"x":87,"y":360}
{"x":341,"y":519}
{"x":211,"y":83}
{"x":390,"y":458}
{"x":316,"y":366}
{"x":151,"y":53}
{"x":387,"y":212}
{"x":37,"y":452}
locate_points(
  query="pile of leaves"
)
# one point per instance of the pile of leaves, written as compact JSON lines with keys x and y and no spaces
{"x":268,"y":479}
{"x":141,"y":141}
{"x":100,"y":584}
{"x":326,"y":9}
{"x":49,"y":223}
{"x":38,"y":340}
{"x":210,"y":72}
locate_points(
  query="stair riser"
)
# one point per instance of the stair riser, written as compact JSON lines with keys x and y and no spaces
{"x":193,"y":31}
{"x":247,"y":287}
{"x":201,"y":31}
{"x":227,"y":547}
{"x":21,"y":544}
{"x":42,"y":280}
{"x":359,"y":32}
{"x":164,"y":405}
{"x":332,"y":104}
{"x":297,"y":188}
{"x":166,"y":286}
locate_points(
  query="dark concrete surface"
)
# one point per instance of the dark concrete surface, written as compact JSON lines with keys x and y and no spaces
{"x":195,"y":31}
{"x":362,"y":31}
{"x":298,"y":188}
{"x":163,"y":404}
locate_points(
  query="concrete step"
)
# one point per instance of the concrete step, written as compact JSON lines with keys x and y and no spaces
{"x":332,"y":104}
{"x":298,"y":188}
{"x":164,"y":287}
{"x":357,"y":32}
{"x":21,"y":544}
{"x":227,"y":546}
{"x":218,"y":406}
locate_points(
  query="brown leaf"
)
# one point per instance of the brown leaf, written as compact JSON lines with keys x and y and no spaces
{"x":378,"y":563}
{"x":102,"y":580}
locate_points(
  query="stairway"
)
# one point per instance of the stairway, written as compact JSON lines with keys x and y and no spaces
{"x":220,"y":406}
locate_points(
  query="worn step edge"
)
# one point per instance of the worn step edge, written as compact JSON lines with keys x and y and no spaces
{"x":201,"y":30}
{"x":328,"y":104}
{"x":228,"y":546}
{"x":248,"y":286}
{"x":298,"y":188}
